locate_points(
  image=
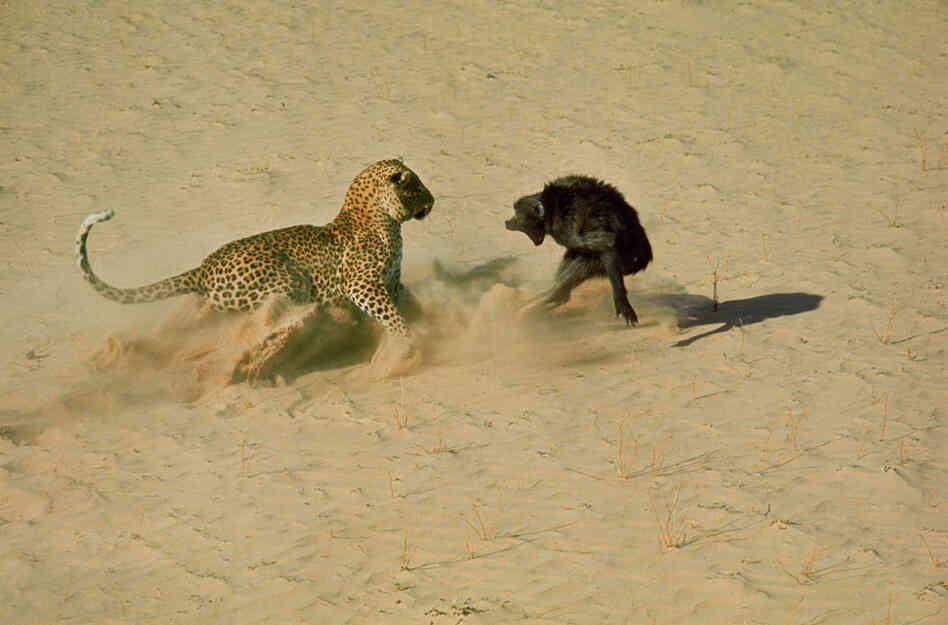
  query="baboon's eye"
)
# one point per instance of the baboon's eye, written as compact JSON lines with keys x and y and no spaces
{"x":539,"y":209}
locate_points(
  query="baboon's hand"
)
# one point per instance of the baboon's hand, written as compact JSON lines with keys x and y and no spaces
{"x":624,"y":309}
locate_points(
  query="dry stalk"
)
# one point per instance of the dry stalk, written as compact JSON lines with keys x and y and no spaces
{"x":885,"y":337}
{"x":481,"y":527}
{"x":885,"y":416}
{"x":657,"y":462}
{"x":931,"y":554}
{"x":891,"y":220}
{"x":406,"y":556}
{"x":933,"y":501}
{"x":806,"y":575}
{"x":715,"y":266}
{"x":793,"y":614}
{"x":246,"y":458}
{"x":468,"y":547}
{"x":623,"y":464}
{"x":440,"y":448}
{"x":672,"y":533}
{"x":391,"y":485}
{"x":793,"y":425}
{"x":718,"y":274}
{"x":923,"y":144}
{"x":888,"y":616}
{"x":398,"y":411}
{"x":401,"y":420}
{"x":807,"y":571}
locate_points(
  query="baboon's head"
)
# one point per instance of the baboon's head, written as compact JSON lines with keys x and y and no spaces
{"x":529,"y":218}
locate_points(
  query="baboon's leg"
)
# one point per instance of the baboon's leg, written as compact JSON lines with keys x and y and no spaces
{"x":574,"y":269}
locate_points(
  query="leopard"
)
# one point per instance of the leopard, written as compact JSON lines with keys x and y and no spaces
{"x":355,"y":259}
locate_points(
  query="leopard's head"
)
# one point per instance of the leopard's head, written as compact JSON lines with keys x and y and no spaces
{"x":390,"y":188}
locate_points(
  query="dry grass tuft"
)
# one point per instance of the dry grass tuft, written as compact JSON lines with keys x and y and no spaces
{"x":406,"y":554}
{"x":885,"y":337}
{"x":624,"y":463}
{"x":672,"y":531}
{"x":246,"y":458}
{"x":440,"y":447}
{"x":936,"y":563}
{"x":807,"y":574}
{"x":888,"y":616}
{"x":922,"y":137}
{"x":481,"y":527}
{"x":399,"y":414}
{"x":885,"y":416}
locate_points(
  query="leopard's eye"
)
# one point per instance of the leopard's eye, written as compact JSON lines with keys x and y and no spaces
{"x":400,"y":177}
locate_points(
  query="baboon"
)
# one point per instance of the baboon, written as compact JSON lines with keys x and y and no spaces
{"x":600,"y":230}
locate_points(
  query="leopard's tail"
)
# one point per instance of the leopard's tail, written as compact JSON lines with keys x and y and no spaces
{"x":186,"y":282}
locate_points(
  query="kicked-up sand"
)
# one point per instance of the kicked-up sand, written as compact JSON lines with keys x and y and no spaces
{"x":768,"y":446}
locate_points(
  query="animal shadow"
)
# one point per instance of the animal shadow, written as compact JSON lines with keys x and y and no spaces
{"x":697,"y":310}
{"x":480,"y":278}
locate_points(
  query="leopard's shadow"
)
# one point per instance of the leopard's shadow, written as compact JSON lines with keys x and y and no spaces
{"x":697,"y":310}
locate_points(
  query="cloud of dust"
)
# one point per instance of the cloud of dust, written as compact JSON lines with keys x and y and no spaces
{"x":478,"y":312}
{"x":182,"y":350}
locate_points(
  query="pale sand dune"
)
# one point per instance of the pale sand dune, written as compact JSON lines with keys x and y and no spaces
{"x":779,"y":461}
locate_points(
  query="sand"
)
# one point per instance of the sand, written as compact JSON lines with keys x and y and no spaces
{"x":779,"y":461}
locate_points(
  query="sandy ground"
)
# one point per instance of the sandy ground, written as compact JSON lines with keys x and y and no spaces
{"x":781,"y":461}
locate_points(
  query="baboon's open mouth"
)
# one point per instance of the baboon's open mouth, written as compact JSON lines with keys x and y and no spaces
{"x":535,"y":235}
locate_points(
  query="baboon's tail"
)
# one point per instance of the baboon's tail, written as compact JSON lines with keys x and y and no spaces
{"x":169,"y":287}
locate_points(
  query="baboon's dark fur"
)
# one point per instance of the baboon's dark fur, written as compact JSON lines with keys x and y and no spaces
{"x":600,"y":230}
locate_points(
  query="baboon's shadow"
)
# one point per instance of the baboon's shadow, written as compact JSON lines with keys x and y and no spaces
{"x":697,"y":310}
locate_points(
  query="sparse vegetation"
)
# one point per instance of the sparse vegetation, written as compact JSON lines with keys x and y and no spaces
{"x":888,"y":616}
{"x":922,"y":137}
{"x":481,"y":528}
{"x":672,"y":531}
{"x":885,"y":416}
{"x":885,"y":337}
{"x":623,"y":462}
{"x":718,"y":274}
{"x":807,"y":573}
{"x":399,"y":415}
{"x":892,"y":221}
{"x":406,"y":554}
{"x":246,"y":458}
{"x":936,"y":563}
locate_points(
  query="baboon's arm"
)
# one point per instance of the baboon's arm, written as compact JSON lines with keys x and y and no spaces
{"x":610,"y":261}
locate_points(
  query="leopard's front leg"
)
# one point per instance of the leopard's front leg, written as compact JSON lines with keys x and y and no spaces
{"x":374,"y":299}
{"x":397,"y":355}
